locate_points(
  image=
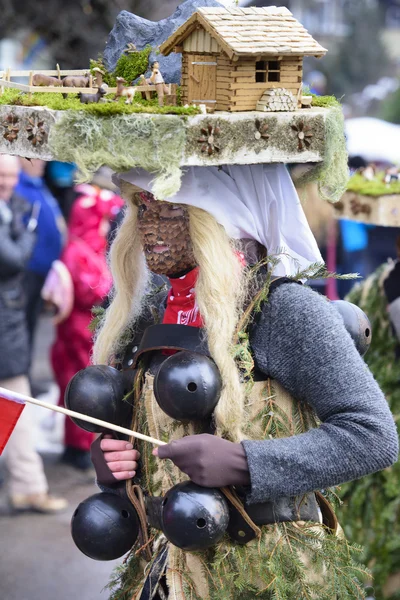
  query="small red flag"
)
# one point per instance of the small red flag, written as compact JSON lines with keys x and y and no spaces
{"x":11,"y":408}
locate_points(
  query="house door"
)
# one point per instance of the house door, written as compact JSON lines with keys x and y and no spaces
{"x":202,"y":79}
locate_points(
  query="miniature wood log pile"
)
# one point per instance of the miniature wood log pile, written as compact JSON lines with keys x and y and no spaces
{"x":278,"y":99}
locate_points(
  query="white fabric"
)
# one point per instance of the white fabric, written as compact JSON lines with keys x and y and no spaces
{"x":373,"y":139}
{"x":258,"y":202}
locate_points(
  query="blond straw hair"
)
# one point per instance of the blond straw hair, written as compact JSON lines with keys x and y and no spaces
{"x":219,"y":294}
{"x":130,"y":278}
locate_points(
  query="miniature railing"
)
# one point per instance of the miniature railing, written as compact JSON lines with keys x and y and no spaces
{"x":5,"y":82}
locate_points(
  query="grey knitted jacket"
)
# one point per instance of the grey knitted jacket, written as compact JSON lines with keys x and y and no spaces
{"x":301,"y":342}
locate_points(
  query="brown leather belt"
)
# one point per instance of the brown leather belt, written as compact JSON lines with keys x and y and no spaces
{"x":172,"y":337}
{"x":302,"y":508}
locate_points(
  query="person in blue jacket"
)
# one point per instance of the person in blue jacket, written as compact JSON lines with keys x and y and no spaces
{"x":51,"y":232}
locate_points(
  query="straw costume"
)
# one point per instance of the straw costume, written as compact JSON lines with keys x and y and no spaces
{"x":248,"y":381}
{"x":248,"y":377}
{"x":297,"y":412}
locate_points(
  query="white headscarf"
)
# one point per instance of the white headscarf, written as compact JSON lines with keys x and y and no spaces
{"x":258,"y":202}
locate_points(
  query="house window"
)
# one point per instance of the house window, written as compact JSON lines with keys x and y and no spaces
{"x":261,"y":71}
{"x":274,"y":70}
{"x":268,"y":71}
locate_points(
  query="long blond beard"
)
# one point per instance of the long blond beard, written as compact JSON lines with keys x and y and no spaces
{"x":220,"y":291}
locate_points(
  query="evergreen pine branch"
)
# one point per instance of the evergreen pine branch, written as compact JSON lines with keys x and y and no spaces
{"x":318,"y":270}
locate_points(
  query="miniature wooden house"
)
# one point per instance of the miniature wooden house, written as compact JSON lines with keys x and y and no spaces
{"x":231,"y":56}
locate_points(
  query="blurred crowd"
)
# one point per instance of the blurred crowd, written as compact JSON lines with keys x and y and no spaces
{"x":53,"y":243}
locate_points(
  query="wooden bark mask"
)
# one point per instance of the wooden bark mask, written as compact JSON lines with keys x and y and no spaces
{"x":165,"y":235}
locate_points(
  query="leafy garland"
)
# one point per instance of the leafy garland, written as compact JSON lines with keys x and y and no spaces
{"x":371,"y":506}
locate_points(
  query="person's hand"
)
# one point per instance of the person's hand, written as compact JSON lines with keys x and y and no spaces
{"x":209,"y":461}
{"x":114,"y":460}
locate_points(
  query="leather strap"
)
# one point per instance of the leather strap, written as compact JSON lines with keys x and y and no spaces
{"x":302,"y":508}
{"x":241,"y":528}
{"x":172,"y":337}
{"x":329,"y":518}
{"x":136,"y":496}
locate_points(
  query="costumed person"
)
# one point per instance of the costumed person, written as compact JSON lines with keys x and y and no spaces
{"x":252,"y":380}
{"x":370,"y":509}
{"x":85,"y":258}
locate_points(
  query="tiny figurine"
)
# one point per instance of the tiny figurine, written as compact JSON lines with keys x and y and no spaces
{"x":306,"y":101}
{"x":92,"y":98}
{"x":45,"y":80}
{"x":73,"y":81}
{"x":157,"y":80}
{"x":99,"y":74}
{"x":369,"y":172}
{"x":392,"y":174}
{"x":129,"y":92}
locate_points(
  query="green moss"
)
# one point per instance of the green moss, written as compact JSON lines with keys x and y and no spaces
{"x":377,"y":187}
{"x":130,"y":66}
{"x":90,"y":141}
{"x":332,"y":175}
{"x":321,"y":101}
{"x":57,"y":102}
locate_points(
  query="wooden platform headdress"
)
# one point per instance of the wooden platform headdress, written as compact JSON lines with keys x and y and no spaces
{"x":240,"y":101}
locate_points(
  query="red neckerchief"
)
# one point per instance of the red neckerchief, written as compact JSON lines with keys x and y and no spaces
{"x":181,"y":302}
{"x":181,"y":307}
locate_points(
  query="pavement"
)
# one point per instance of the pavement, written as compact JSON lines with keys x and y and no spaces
{"x":38,"y":558}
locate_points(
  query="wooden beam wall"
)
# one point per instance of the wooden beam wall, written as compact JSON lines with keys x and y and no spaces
{"x":200,"y":41}
{"x":246,"y":92}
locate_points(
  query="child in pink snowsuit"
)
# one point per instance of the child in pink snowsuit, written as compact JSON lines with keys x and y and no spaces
{"x":85,"y":258}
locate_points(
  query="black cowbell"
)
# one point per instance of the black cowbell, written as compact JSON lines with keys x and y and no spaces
{"x":187,"y":386}
{"x":357,"y":324}
{"x":98,"y":392}
{"x":194,"y":517}
{"x":105,"y":526}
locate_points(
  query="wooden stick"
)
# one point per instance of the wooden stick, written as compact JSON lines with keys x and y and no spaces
{"x":58,"y":71}
{"x":71,"y":413}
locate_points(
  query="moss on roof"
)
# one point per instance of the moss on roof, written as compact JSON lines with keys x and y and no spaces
{"x":377,"y":187}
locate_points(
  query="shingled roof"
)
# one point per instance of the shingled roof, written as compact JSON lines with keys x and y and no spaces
{"x":250,"y":31}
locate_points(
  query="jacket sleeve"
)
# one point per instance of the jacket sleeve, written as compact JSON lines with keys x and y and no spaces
{"x":14,"y":254}
{"x":90,"y":275}
{"x":301,"y":342}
